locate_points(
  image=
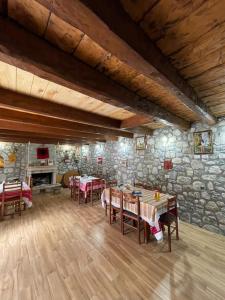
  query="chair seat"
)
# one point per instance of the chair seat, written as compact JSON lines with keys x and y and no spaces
{"x":11,"y":199}
{"x":129,"y":214}
{"x":116,"y":208}
{"x":167,"y":218}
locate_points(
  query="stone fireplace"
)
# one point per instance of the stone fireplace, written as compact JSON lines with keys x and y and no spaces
{"x":42,"y":174}
{"x":41,"y":178}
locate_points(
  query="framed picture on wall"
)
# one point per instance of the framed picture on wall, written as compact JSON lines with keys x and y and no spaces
{"x":203,"y":142}
{"x":140,"y":143}
{"x":124,"y":163}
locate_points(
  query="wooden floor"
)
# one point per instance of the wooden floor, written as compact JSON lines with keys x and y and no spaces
{"x":59,"y":250}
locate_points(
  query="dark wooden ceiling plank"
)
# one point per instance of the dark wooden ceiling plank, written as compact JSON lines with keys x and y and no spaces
{"x":4,"y":8}
{"x":40,"y":58}
{"x":29,"y":127}
{"x":142,"y":130}
{"x":24,"y":139}
{"x":104,"y":19}
{"x":29,"y":134}
{"x":9,"y":114}
{"x":135,"y":121}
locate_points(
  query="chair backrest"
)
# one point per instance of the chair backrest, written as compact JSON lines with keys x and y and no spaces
{"x":111,"y":183}
{"x":148,"y":187}
{"x":113,"y":192}
{"x":139,"y":184}
{"x":130,"y":198}
{"x":103,"y":184}
{"x":76,"y":182}
{"x":172,"y":206}
{"x":15,"y":187}
{"x":96,"y":184}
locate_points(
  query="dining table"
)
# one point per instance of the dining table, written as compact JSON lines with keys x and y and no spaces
{"x":84,"y":186}
{"x":150,"y":208}
{"x":26,"y":194}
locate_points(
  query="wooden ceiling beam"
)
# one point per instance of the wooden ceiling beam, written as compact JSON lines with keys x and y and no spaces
{"x":142,"y":130}
{"x":135,"y":121}
{"x":20,"y":102}
{"x":18,"y":139}
{"x":19,"y":116}
{"x":35,"y":135}
{"x":30,"y":53}
{"x":33,"y":128}
{"x":109,"y":25}
{"x":4,"y":8}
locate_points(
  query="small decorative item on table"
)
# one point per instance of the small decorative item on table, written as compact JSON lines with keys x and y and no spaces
{"x":137,"y":193}
{"x":157,"y":196}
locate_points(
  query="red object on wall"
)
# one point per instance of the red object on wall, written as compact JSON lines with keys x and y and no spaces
{"x":168,"y":165}
{"x":42,"y":153}
{"x":99,"y":160}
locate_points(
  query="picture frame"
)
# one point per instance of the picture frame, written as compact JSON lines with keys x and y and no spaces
{"x":140,"y":143}
{"x":203,"y":142}
{"x":50,"y":162}
{"x":124,"y":163}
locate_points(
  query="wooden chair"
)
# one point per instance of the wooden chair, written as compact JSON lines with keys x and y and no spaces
{"x":170,"y":219}
{"x":16,"y":202}
{"x":96,"y":189}
{"x":72,"y":187}
{"x":103,"y":185}
{"x":113,"y":209}
{"x":139,"y":184}
{"x":77,"y":193}
{"x":148,"y":187}
{"x":130,"y":219}
{"x":111,"y":183}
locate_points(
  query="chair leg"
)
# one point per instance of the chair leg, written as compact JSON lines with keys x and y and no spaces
{"x":73,"y":194}
{"x":122,"y":220}
{"x":177,"y":233}
{"x":19,"y":203}
{"x":110,"y":214}
{"x":106,"y":209}
{"x":2,"y":210}
{"x":78,"y":196}
{"x":139,"y":232}
{"x":114,"y":215}
{"x":169,"y":238}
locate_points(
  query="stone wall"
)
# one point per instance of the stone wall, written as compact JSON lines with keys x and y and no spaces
{"x":65,"y":157}
{"x":89,"y":159}
{"x":17,"y":168}
{"x":197,"y":180}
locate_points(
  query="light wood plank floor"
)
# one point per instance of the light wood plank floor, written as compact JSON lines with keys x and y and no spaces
{"x":59,"y":250}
